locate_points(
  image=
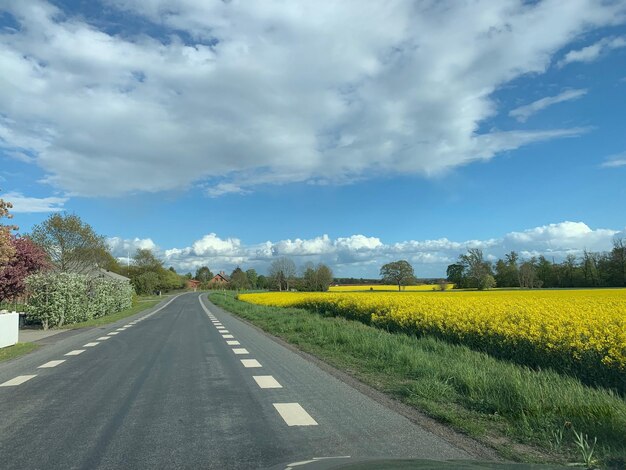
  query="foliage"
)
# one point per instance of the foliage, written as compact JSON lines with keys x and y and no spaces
{"x":28,"y":259}
{"x":145,"y":283}
{"x":580,"y":332}
{"x":239,"y":280}
{"x":203,"y":274}
{"x":399,"y":273}
{"x":317,"y":278}
{"x":6,"y":247}
{"x":253,"y":277}
{"x":72,"y":245}
{"x":56,"y":299}
{"x":282,"y":273}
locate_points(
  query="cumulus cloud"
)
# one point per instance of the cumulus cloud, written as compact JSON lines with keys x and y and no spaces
{"x":27,"y":204}
{"x":239,"y":94}
{"x":594,"y":51}
{"x":361,"y":256}
{"x":524,"y":112}
{"x":121,"y":248}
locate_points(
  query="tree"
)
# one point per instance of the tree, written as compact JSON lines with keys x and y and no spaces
{"x":618,"y":262}
{"x":261,"y":282}
{"x":455,"y":274}
{"x":324,"y":277}
{"x":71,"y":244}
{"x":252,"y":278}
{"x":145,"y":283}
{"x":282,"y":271}
{"x":203,"y":274}
{"x":239,"y":279}
{"x":145,"y":261}
{"x":28,"y":259}
{"x":6,"y":246}
{"x":399,"y":273}
{"x":478,"y":271}
{"x":528,"y":275}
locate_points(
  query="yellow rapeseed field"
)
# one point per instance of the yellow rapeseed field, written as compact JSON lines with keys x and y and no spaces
{"x":569,"y":328}
{"x":386,"y":287}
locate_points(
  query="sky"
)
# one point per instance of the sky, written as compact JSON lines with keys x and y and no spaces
{"x":228,"y":133}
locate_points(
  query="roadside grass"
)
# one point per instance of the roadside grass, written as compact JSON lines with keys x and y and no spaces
{"x":525,"y":414}
{"x":17,"y":350}
{"x":138,"y":306}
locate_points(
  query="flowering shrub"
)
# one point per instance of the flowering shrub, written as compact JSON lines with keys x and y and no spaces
{"x":57,"y":299}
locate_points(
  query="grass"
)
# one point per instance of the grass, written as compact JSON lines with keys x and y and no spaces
{"x":17,"y":350}
{"x":136,"y":308}
{"x":518,"y":411}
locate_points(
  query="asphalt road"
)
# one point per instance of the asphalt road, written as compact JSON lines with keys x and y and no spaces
{"x":168,"y":391}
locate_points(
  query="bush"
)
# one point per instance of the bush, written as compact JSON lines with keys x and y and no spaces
{"x":57,"y":299}
{"x":146,"y":283}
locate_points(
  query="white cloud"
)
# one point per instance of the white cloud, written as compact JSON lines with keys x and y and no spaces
{"x":594,"y":51}
{"x":122,"y":248}
{"x":524,"y":112}
{"x":27,"y":204}
{"x":272,"y":92}
{"x":615,"y":161}
{"x":362,"y":256}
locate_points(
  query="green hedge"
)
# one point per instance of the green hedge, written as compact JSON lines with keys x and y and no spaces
{"x":57,"y":299}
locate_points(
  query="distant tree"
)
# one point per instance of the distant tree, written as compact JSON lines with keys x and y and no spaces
{"x":478,"y":271}
{"x":203,"y":274}
{"x":6,"y":246}
{"x":252,"y":278}
{"x":261,"y":282}
{"x":282,"y":272}
{"x":145,"y":283}
{"x":28,"y":259}
{"x":144,"y":261}
{"x":188,"y":276}
{"x":324,"y":277}
{"x":399,"y":273}
{"x":71,"y":244}
{"x":239,"y":279}
{"x":618,"y":262}
{"x":455,"y":274}
{"x":528,"y":275}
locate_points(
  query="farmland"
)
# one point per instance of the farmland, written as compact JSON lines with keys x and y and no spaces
{"x":387,"y":287}
{"x":581,"y":332}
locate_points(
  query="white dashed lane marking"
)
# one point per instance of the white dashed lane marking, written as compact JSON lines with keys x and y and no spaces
{"x":224,"y":332}
{"x":232,"y":342}
{"x":228,"y":336}
{"x":90,"y":345}
{"x":266,"y":381}
{"x":294,"y":414}
{"x":240,"y":351}
{"x":248,"y":363}
{"x":113,"y":333}
{"x":50,"y":364}
{"x":104,"y":338}
{"x":75,"y":352}
{"x":19,"y":380}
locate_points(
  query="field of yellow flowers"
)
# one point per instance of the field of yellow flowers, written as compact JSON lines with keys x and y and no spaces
{"x":578,"y":331}
{"x":387,"y":287}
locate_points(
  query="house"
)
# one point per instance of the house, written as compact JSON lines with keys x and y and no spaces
{"x":193,"y":284}
{"x":220,"y":280}
{"x":99,"y":272}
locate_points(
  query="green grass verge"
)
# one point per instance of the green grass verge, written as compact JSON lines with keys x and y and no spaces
{"x":17,"y":350}
{"x":136,"y":308}
{"x":520,"y":412}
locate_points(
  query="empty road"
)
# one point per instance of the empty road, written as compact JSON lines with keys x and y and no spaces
{"x":187,"y":385}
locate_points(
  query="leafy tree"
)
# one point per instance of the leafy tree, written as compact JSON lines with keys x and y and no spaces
{"x":455,"y":274}
{"x":239,"y":279}
{"x":145,"y":261}
{"x":252,"y":278}
{"x":203,"y":274}
{"x":145,"y":283}
{"x":71,"y":244}
{"x":398,"y":272}
{"x":261,"y":282}
{"x":282,"y":272}
{"x":528,"y":275}
{"x":618,"y":262}
{"x":477,"y":269}
{"x":28,"y":259}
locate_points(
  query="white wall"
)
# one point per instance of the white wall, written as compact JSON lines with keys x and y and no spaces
{"x":9,"y":329}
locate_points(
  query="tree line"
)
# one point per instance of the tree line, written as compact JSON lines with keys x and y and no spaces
{"x":592,"y":269}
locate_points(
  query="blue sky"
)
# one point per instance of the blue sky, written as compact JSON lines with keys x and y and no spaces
{"x":231,"y":133}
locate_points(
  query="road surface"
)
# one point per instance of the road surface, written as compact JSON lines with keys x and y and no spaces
{"x":188,"y":385}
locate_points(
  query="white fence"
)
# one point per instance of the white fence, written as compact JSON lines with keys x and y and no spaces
{"x":9,"y":328}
